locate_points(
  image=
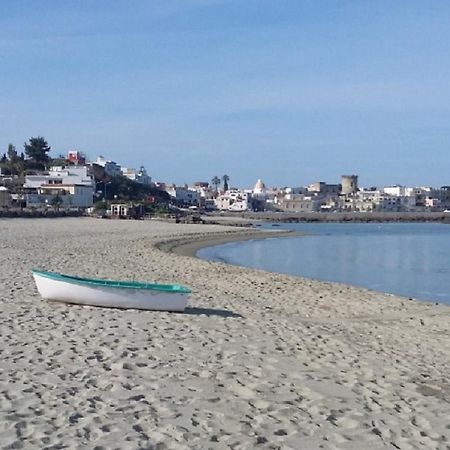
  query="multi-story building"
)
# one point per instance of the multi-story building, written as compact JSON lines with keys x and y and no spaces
{"x":206,"y":195}
{"x":300,"y":203}
{"x":111,"y":167}
{"x":58,"y":175}
{"x":183,"y":195}
{"x":233,"y":200}
{"x":389,"y":199}
{"x":138,"y":176}
{"x":63,"y":196}
{"x":66,"y":186}
{"x":397,"y":190}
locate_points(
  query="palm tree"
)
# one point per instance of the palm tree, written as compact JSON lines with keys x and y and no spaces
{"x":225,"y":179}
{"x":216,"y":182}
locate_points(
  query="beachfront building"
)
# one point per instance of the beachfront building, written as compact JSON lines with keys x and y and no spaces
{"x":434,"y":199}
{"x":285,"y":193}
{"x":5,"y":197}
{"x":206,"y":195}
{"x":204,"y":190}
{"x":348,"y":197}
{"x":420,"y":194}
{"x":329,"y":204}
{"x":60,"y":196}
{"x":126,"y":211}
{"x":58,"y":175}
{"x":382,"y":200}
{"x":183,"y":196}
{"x":111,"y":167}
{"x":68,"y":187}
{"x":272,"y":196}
{"x":432,"y":203}
{"x":233,"y":200}
{"x":300,"y":203}
{"x":318,"y":196}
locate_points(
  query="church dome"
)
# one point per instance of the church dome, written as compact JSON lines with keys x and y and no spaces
{"x":259,"y":187}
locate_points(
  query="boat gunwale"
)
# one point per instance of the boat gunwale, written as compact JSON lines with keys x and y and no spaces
{"x":96,"y":282}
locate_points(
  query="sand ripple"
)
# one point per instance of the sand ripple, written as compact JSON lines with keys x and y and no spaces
{"x":258,"y":361}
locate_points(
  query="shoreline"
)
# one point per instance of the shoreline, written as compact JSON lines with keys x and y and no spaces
{"x":189,"y":247}
{"x":258,"y":359}
{"x":338,"y":217}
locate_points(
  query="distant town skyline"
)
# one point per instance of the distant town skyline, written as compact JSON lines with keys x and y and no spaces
{"x":290,"y":92}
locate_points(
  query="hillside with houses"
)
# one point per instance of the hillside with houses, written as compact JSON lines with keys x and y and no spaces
{"x":34,"y":181}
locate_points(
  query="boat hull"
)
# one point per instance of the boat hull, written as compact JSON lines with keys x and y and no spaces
{"x":107,"y":296}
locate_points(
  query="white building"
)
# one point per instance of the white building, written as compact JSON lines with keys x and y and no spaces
{"x":184,"y":195}
{"x":60,"y":175}
{"x":62,"y":196}
{"x":259,"y":190}
{"x":432,"y":203}
{"x":398,"y":191}
{"x":233,"y":200}
{"x":206,"y":195}
{"x":5,"y":197}
{"x":299,"y":203}
{"x":290,"y":192}
{"x":139,"y":176}
{"x":71,"y":186}
{"x":111,"y":168}
{"x":388,"y":199}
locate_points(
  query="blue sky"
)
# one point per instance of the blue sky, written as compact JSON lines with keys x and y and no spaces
{"x":288,"y":91}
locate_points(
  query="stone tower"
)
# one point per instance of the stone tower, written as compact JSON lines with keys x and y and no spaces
{"x":349,"y":184}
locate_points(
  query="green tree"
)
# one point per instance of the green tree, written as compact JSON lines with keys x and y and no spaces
{"x":225,"y":179}
{"x":216,"y":182}
{"x":12,"y":162}
{"x":36,"y":149}
{"x":12,"y":153}
{"x":123,"y":189}
{"x":56,"y":202}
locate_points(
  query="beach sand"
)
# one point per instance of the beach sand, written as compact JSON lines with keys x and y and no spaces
{"x":258,"y":360}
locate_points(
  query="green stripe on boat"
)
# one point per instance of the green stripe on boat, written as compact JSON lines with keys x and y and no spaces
{"x":174,"y":288}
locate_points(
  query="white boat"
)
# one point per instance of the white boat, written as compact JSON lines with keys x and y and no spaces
{"x":109,"y":293}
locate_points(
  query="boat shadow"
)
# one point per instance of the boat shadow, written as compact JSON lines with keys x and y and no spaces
{"x":212,"y":312}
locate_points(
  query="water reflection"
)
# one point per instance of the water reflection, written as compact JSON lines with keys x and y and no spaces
{"x":404,"y":259}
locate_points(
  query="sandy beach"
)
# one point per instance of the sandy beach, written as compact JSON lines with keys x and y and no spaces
{"x":258,"y":360}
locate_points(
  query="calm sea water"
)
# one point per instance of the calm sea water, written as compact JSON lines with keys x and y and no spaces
{"x":407,"y":259}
